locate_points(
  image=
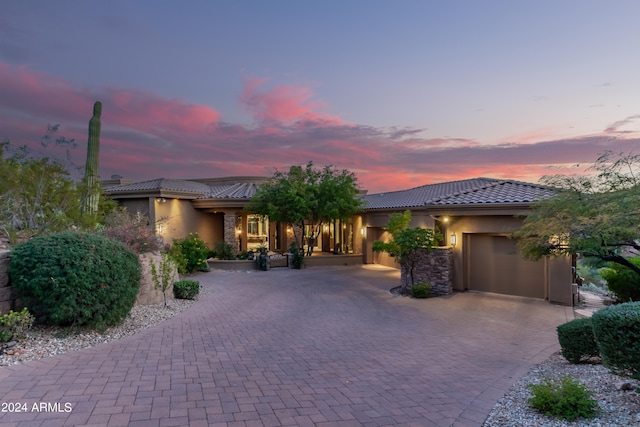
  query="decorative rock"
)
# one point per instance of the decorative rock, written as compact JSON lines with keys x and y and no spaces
{"x":624,"y":385}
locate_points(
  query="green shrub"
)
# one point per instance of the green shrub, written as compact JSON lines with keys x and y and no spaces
{"x":194,"y":251}
{"x":421,"y":290}
{"x":76,"y":279}
{"x":577,"y":340}
{"x":14,"y":326}
{"x":565,"y":398}
{"x":178,"y":258}
{"x":186,"y":289}
{"x":224,"y":250}
{"x":622,"y":281}
{"x":617,"y":332}
{"x":297,"y":255}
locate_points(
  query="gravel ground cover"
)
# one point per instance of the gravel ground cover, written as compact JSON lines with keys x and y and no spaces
{"x":617,"y":407}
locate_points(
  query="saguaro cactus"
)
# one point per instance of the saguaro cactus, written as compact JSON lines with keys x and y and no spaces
{"x":91,"y":179}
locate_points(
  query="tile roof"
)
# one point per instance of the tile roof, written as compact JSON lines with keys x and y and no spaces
{"x":465,"y":192}
{"x":244,"y":190}
{"x":168,"y":184}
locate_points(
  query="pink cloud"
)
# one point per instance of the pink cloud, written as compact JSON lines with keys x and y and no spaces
{"x":147,"y":136}
{"x":282,"y":103}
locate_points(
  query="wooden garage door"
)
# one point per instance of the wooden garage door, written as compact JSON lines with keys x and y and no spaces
{"x":495,"y":265}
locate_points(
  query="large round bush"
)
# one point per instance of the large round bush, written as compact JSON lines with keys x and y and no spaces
{"x":622,"y":281}
{"x":617,"y":331}
{"x":76,"y":279}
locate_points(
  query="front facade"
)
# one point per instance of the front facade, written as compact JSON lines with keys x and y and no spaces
{"x":214,"y":208}
{"x":475,"y":218}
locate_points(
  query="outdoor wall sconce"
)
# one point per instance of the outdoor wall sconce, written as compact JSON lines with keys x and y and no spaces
{"x":159,"y":229}
{"x":161,"y":200}
{"x":238,"y":231}
{"x":454,"y":239}
{"x":445,"y":219}
{"x":289,"y":230}
{"x":362,"y":231}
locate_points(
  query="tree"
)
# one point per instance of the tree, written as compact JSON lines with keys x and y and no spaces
{"x":596,"y":215}
{"x":37,"y":193}
{"x":307,"y":195}
{"x":407,"y":242}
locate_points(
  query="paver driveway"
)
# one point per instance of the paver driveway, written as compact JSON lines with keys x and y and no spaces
{"x":323,"y":346}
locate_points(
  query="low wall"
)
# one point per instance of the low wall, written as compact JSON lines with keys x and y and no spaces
{"x":234,"y":264}
{"x":327,"y":260}
{"x":434,"y":267}
{"x":6,"y":293}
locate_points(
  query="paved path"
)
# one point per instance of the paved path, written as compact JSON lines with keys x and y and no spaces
{"x":315,"y":347}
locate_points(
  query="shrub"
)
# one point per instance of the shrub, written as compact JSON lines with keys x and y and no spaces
{"x":224,"y":250}
{"x":186,"y":289}
{"x":297,"y":255}
{"x":134,"y":231}
{"x":421,"y":290}
{"x":178,"y":258}
{"x":76,"y":279}
{"x":194,"y":251}
{"x":577,"y":340}
{"x":14,"y":326}
{"x":622,"y":281}
{"x":617,"y":332}
{"x":565,"y":398}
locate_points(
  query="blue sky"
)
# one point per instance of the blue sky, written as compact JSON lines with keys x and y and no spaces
{"x":403,"y":93}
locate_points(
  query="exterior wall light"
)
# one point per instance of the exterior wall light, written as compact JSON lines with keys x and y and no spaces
{"x":159,"y":229}
{"x":161,"y":199}
{"x":362,"y":231}
{"x":289,"y":230}
{"x":454,"y":239}
{"x":238,"y":231}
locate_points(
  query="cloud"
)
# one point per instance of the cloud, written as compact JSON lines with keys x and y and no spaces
{"x":282,"y":103}
{"x":616,"y":127}
{"x":145,"y":136}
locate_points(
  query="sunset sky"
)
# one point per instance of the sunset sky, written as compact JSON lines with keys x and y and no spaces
{"x":403,"y":93}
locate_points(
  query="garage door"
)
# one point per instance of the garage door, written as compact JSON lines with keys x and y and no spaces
{"x":495,"y":265}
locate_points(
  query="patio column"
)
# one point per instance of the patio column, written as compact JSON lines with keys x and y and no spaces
{"x":230,"y":230}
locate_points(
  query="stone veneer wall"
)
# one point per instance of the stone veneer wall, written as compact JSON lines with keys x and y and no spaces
{"x":434,"y":267}
{"x":6,"y":294}
{"x":230,"y":236}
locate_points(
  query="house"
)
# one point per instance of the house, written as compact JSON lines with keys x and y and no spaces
{"x":474,"y":216}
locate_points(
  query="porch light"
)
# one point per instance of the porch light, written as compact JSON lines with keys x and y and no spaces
{"x":238,"y":231}
{"x":445,"y":219}
{"x":289,"y":230}
{"x":159,"y":229}
{"x":161,"y":200}
{"x":454,"y":239}
{"x":362,"y":231}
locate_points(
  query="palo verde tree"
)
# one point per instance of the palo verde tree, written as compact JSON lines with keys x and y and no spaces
{"x":307,"y":195}
{"x":37,"y":192}
{"x":407,"y":242}
{"x":595,"y":215}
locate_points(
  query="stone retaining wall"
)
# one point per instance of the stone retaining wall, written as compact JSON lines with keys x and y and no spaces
{"x":434,"y":267}
{"x":6,"y":294}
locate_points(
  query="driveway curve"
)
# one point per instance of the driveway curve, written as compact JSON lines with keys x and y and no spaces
{"x":315,"y":347}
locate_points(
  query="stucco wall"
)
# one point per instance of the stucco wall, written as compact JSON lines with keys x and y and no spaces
{"x":178,"y":218}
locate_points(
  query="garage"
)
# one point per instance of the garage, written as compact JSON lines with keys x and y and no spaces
{"x":494,"y":264}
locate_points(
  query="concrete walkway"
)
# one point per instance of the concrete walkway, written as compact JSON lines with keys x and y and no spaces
{"x":315,"y":347}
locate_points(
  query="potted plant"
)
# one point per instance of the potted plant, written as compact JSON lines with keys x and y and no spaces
{"x":262,"y":259}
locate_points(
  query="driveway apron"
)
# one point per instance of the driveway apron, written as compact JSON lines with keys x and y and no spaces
{"x":316,"y":347}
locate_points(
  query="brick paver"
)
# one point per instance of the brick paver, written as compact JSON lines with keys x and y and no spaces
{"x":315,"y":347}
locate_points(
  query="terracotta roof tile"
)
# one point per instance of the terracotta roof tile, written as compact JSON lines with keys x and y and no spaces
{"x":464,"y":192}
